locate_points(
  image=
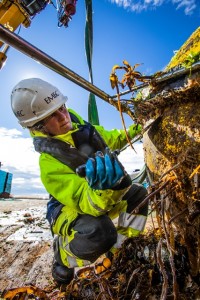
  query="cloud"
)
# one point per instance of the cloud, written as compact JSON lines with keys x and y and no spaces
{"x":132,"y":160}
{"x":139,"y":5}
{"x":188,"y":5}
{"x":18,"y":157}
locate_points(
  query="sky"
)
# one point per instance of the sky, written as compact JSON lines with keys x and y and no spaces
{"x":145,"y":32}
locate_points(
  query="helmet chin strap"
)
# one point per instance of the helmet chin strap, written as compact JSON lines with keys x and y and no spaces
{"x":40,"y":128}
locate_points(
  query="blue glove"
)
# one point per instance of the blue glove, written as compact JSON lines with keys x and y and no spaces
{"x":105,"y":171}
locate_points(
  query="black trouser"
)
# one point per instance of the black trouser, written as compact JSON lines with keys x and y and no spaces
{"x":96,"y":235}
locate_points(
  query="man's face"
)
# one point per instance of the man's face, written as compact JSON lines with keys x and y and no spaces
{"x":59,"y":122}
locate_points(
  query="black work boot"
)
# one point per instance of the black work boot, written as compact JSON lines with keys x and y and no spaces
{"x":62,"y":274}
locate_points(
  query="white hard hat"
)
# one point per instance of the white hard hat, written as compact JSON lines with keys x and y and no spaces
{"x":34,"y":99}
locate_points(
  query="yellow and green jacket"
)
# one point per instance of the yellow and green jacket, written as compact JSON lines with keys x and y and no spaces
{"x":61,"y":181}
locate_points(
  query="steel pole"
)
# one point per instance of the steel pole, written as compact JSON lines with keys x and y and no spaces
{"x":28,"y":49}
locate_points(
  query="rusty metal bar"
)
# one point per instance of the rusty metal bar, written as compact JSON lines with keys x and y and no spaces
{"x":28,"y":49}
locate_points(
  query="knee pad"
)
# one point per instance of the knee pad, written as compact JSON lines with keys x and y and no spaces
{"x":94,"y":236}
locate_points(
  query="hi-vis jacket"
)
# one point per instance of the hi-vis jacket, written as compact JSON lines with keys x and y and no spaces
{"x":73,"y":191}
